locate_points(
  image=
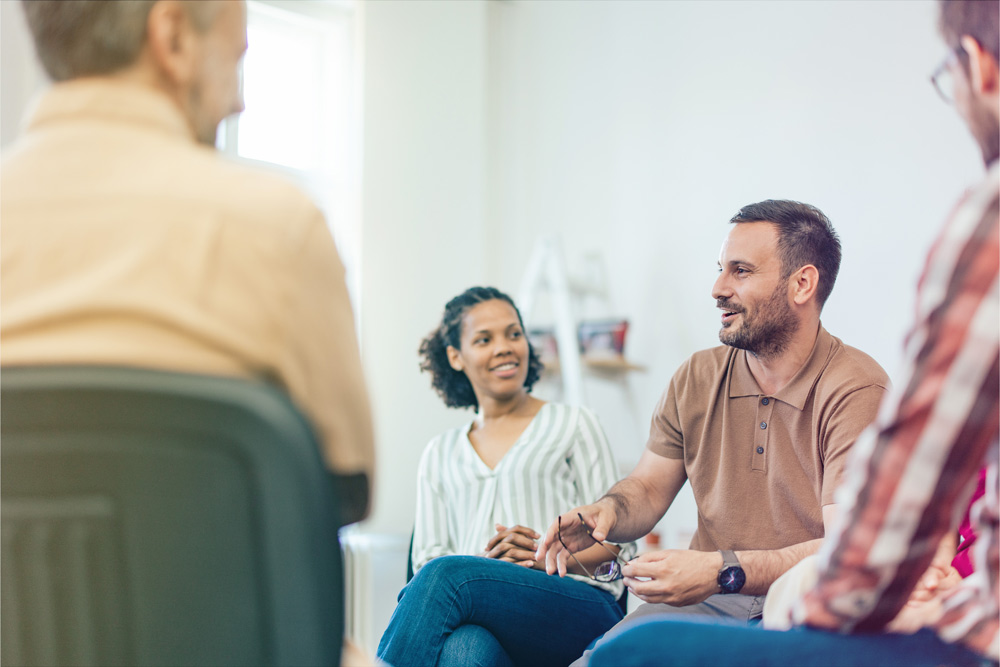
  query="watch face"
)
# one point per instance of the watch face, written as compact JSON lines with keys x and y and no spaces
{"x":731,"y":579}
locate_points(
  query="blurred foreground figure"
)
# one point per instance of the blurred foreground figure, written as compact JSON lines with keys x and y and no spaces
{"x":127,"y":240}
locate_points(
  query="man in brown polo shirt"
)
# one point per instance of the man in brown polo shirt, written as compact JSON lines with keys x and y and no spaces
{"x":760,"y":426}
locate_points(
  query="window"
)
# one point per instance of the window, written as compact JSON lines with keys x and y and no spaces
{"x":301,"y":119}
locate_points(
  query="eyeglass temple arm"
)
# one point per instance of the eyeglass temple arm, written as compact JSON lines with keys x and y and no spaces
{"x":575,"y":559}
{"x":606,"y":547}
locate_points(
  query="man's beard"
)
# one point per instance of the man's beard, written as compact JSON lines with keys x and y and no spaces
{"x":766,"y":331}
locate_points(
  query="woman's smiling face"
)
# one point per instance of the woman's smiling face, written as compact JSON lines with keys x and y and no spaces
{"x":493,"y":351}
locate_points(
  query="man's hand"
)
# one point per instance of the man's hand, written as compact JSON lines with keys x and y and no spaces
{"x":629,"y":510}
{"x":924,"y":606}
{"x":514,"y":545}
{"x":675,"y":577}
{"x":599,"y":517}
{"x":937,"y":579}
{"x":940,"y":575}
{"x":917,"y":614}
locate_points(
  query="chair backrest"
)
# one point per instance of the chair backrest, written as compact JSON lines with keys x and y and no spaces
{"x":155,"y":518}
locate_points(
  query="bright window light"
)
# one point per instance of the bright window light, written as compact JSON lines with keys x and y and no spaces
{"x":282,"y":69}
{"x":301,"y":119}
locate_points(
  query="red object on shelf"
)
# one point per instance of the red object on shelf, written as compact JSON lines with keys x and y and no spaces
{"x":605,"y":337}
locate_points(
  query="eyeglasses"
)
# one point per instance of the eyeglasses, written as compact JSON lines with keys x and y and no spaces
{"x":943,"y":76}
{"x":608,"y":571}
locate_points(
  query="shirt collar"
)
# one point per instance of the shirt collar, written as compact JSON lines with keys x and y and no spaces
{"x":797,"y":391}
{"x":109,"y":100}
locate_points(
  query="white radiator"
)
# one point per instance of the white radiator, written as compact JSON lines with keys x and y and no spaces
{"x":374,"y":573}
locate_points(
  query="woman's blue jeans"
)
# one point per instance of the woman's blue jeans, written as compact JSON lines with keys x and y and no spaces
{"x":474,"y":611}
{"x":713,"y":643}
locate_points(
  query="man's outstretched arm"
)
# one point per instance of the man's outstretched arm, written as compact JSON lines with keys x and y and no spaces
{"x":626,"y":512}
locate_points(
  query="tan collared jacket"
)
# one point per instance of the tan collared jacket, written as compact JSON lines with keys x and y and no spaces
{"x":123,"y":241}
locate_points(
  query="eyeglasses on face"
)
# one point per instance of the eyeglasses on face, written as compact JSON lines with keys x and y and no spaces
{"x":943,"y":76}
{"x":607,"y":571}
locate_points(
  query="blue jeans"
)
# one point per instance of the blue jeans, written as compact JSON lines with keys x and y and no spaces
{"x":708,"y":643}
{"x":745,"y":609}
{"x":469,"y":610}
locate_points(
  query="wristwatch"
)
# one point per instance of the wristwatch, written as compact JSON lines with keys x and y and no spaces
{"x":731,"y":576}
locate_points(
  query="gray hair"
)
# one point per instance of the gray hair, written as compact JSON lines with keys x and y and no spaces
{"x":96,"y":37}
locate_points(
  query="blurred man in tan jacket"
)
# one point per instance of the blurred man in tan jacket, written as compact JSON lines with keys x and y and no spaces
{"x":128,"y":240}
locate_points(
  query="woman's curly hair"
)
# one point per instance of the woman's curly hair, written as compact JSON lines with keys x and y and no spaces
{"x":453,"y":386}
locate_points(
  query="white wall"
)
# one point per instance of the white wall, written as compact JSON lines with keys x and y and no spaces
{"x":424,"y":214}
{"x":22,"y":74}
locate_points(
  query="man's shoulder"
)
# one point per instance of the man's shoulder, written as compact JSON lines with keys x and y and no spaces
{"x":852,"y":368}
{"x":250,"y":200}
{"x":706,"y":364}
{"x":167,"y":173}
{"x":252,"y":191}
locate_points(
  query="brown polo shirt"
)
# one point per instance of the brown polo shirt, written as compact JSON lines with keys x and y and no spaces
{"x":762,"y":466}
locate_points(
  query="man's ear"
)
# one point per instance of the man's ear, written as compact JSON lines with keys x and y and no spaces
{"x":983,"y":72}
{"x":171,"y":43}
{"x":454,"y":359}
{"x":803,"y":284}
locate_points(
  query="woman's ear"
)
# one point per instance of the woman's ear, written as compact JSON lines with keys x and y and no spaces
{"x":455,"y":359}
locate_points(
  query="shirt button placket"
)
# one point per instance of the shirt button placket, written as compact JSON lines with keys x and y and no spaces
{"x":764,"y":409}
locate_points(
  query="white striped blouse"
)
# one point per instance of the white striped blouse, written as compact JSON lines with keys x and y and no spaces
{"x":561,"y":460}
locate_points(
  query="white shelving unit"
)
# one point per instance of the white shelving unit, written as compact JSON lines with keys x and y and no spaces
{"x":546,"y":271}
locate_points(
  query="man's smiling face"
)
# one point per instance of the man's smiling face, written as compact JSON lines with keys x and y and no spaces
{"x":752,"y":293}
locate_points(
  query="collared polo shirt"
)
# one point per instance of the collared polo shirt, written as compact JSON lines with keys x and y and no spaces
{"x":762,"y":466}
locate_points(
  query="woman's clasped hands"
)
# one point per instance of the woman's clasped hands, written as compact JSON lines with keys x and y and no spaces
{"x":516,"y":544}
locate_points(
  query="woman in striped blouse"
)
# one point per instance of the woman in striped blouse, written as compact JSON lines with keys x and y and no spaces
{"x":484,"y":490}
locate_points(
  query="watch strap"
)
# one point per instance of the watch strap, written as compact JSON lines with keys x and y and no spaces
{"x":729,"y":559}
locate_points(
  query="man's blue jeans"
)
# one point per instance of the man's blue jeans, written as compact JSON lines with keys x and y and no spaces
{"x":474,"y":611}
{"x":708,"y":643}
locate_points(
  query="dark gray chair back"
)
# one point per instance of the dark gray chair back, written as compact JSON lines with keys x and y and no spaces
{"x":155,"y":518}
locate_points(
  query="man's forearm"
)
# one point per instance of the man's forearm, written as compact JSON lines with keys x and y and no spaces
{"x":635,"y":514}
{"x":763,"y":567}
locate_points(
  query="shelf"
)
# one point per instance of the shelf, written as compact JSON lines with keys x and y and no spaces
{"x":611,"y":364}
{"x":601,"y":364}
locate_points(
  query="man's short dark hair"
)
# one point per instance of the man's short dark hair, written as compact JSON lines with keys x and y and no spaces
{"x":979,"y":19}
{"x":805,"y":236}
{"x":96,"y":37}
